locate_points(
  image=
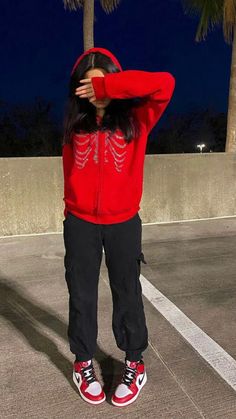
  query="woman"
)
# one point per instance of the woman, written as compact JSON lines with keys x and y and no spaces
{"x":108,"y":117}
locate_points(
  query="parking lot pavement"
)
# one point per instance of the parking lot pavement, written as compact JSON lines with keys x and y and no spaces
{"x":189,"y":292}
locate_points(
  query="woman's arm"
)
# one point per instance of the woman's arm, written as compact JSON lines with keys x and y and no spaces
{"x":157,"y":87}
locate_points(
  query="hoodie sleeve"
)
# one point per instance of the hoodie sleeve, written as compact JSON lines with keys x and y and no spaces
{"x":67,"y":163}
{"x":156,"y":87}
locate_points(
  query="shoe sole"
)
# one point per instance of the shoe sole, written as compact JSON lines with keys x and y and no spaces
{"x":134,"y":398}
{"x":81,"y":394}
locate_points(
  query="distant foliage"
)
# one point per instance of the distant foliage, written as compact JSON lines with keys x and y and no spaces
{"x":182,"y":132}
{"x":28,"y":130}
{"x":31,"y":130}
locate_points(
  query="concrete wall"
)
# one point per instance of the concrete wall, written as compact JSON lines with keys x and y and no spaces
{"x":176,"y":187}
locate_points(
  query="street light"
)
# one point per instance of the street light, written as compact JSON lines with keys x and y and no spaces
{"x":200,"y":146}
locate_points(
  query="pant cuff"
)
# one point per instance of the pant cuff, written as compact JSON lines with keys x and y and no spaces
{"x":133,"y":356}
{"x":83,"y":358}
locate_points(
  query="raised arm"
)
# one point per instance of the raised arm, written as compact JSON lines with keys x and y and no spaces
{"x":156,"y":87}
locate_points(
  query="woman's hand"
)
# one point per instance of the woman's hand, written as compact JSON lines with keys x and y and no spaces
{"x":86,"y":90}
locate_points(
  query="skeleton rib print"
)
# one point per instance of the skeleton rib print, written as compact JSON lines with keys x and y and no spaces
{"x":86,"y":147}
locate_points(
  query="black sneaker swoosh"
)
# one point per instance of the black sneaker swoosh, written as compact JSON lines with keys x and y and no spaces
{"x":141,"y":380}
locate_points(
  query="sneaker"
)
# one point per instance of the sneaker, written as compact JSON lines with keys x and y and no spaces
{"x":86,"y":381}
{"x":133,"y":379}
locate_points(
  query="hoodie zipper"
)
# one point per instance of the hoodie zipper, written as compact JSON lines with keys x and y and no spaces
{"x":100,"y":163}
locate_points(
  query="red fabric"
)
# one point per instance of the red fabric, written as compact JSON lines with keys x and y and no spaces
{"x":108,"y":188}
{"x":97,"y":49}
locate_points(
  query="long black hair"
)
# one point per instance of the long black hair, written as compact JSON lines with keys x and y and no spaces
{"x":80,"y":114}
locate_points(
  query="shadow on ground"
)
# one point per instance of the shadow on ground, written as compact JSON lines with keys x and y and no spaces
{"x":26,"y":316}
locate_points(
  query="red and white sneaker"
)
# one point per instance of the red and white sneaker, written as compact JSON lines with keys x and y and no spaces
{"x":133,"y":379}
{"x":87,"y":383}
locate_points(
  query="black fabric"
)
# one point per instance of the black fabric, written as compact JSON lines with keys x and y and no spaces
{"x":84,"y":242}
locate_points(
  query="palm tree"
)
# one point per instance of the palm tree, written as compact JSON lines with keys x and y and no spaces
{"x":88,"y":16}
{"x":219,"y":12}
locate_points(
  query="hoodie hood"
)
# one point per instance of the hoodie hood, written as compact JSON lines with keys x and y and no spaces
{"x":102,"y":51}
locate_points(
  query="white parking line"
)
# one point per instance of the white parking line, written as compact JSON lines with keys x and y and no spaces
{"x":213,"y":353}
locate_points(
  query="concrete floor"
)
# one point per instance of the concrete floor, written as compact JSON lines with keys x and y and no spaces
{"x":192,"y":263}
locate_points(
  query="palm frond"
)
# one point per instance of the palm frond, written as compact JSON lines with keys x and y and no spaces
{"x":210,"y":11}
{"x":73,"y":4}
{"x":109,"y":5}
{"x":229,"y":19}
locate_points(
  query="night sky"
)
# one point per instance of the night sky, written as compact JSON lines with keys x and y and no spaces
{"x":40,"y":42}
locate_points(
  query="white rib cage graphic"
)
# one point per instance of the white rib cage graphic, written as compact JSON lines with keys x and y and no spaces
{"x":85,"y":144}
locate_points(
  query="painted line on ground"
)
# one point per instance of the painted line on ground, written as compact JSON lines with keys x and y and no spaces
{"x":211,"y":351}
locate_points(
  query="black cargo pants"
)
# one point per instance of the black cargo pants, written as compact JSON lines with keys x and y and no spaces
{"x":84,"y":242}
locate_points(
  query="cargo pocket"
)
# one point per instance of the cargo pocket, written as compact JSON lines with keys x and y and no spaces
{"x":68,"y":271}
{"x":139,"y":259}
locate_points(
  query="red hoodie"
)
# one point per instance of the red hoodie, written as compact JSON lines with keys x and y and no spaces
{"x":103,"y":175}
